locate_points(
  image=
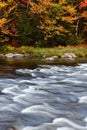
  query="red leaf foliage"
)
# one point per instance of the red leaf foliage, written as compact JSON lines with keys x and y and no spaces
{"x":24,"y":1}
{"x":83,"y":4}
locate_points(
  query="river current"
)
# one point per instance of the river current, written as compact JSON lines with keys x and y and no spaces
{"x":48,"y":97}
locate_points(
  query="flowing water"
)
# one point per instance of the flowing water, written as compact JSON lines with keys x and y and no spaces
{"x":43,"y":97}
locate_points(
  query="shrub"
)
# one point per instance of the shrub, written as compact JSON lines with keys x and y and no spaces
{"x":75,"y":40}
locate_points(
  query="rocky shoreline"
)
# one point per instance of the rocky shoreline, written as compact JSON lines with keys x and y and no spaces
{"x":69,"y":56}
{"x":11,"y":55}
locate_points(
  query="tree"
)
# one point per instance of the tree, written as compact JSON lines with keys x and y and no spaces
{"x":7,"y":20}
{"x":24,"y":27}
{"x":54,"y":19}
{"x":43,"y":22}
{"x":83,"y":16}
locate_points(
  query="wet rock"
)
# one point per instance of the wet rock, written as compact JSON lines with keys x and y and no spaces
{"x":49,"y":59}
{"x":15,"y":56}
{"x":1,"y":55}
{"x":18,"y":55}
{"x":55,"y":57}
{"x":69,"y":55}
{"x":9,"y":55}
{"x":27,"y":55}
{"x":52,"y":58}
{"x":10,"y":128}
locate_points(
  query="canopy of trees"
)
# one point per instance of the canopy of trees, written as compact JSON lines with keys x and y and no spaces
{"x":44,"y":23}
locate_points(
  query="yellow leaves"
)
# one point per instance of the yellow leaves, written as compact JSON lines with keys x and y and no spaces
{"x":62,"y":1}
{"x":84,"y":14}
{"x":62,"y":29}
{"x":48,"y":25}
{"x":7,"y":7}
{"x":68,"y":19}
{"x":70,"y":9}
{"x":2,"y":4}
{"x":9,"y":10}
{"x":10,"y":1}
{"x":4,"y":29}
{"x":6,"y":18}
{"x":49,"y":15}
{"x":40,"y":7}
{"x":2,"y":21}
{"x":70,"y":14}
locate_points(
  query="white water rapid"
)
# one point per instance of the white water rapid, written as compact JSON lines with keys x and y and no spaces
{"x":46,"y":98}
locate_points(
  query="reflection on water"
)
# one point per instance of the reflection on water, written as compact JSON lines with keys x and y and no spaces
{"x":45,"y":97}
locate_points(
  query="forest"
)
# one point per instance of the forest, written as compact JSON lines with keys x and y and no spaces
{"x":43,"y":23}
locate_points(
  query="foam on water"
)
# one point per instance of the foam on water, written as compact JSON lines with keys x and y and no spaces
{"x":45,"y":98}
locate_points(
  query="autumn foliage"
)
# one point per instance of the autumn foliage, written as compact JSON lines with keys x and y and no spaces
{"x":83,"y":4}
{"x":43,"y":22}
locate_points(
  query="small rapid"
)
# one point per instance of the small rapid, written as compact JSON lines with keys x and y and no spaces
{"x":48,"y":97}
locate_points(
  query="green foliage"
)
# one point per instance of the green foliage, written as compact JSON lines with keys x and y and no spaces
{"x":75,"y":40}
{"x":37,"y":52}
{"x":24,"y":29}
{"x":3,"y":49}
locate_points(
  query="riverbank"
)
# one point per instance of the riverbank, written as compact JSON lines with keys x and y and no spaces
{"x":60,"y":51}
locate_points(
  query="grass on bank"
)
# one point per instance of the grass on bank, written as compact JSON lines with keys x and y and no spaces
{"x":80,"y":51}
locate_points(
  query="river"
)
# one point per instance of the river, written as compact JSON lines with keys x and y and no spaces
{"x":43,"y":96}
